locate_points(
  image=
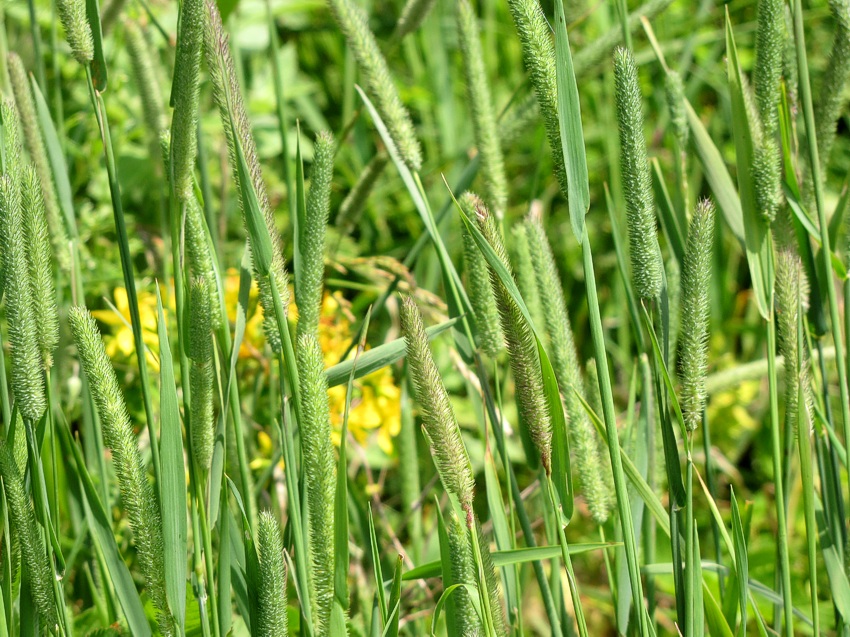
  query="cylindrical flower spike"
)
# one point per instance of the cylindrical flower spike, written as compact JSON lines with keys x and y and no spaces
{"x":463,"y":571}
{"x":481,"y":109}
{"x":674,"y":91}
{"x":353,"y":22}
{"x":200,"y":255}
{"x":637,"y":184}
{"x":272,"y":616}
{"x":767,"y":70}
{"x":147,"y":82}
{"x":519,"y":339}
{"x":478,"y":284}
{"x":830,"y":99}
{"x":27,"y":368}
{"x":308,"y":292}
{"x":38,"y":155}
{"x":40,"y":257}
{"x":319,"y":475}
{"x":538,"y":53}
{"x":565,"y":363}
{"x":136,"y":492}
{"x":187,"y":65}
{"x":202,"y":373}
{"x":228,"y":98}
{"x":693,"y":342}
{"x":412,"y":16}
{"x":355,"y":201}
{"x":438,"y":418}
{"x":28,"y":532}
{"x":72,"y":14}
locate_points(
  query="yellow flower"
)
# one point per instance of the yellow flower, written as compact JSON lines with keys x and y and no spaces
{"x":120,"y":343}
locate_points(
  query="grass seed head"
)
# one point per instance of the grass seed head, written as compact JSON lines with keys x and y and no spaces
{"x":637,"y":185}
{"x":136,"y":491}
{"x":272,"y":615}
{"x":74,"y":18}
{"x":309,"y":290}
{"x":438,"y":418}
{"x":481,"y":109}
{"x":319,"y":474}
{"x":354,"y":24}
{"x":29,"y":534}
{"x":693,"y":343}
{"x":478,"y":285}
{"x":767,"y":70}
{"x":202,"y":372}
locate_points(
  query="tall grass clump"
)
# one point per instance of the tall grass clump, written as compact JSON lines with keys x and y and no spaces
{"x":481,"y":109}
{"x":478,"y":285}
{"x":237,"y":130}
{"x":637,"y":184}
{"x":137,"y":494}
{"x":354,"y":24}
{"x":591,"y":464}
{"x":29,"y":533}
{"x":696,"y":277}
{"x":319,"y":476}
{"x":272,"y":616}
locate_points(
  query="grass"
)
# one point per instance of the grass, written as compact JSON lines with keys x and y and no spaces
{"x":564,"y":349}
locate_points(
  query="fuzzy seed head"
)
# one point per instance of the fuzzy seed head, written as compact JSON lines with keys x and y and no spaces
{"x":228,"y":98}
{"x":520,"y":256}
{"x":145,"y":75}
{"x":354,"y":24}
{"x":319,"y":474}
{"x":28,"y":531}
{"x":202,"y":372}
{"x":318,"y":205}
{"x":200,"y":256}
{"x":72,"y":14}
{"x":478,"y":284}
{"x":184,"y":141}
{"x":538,"y":54}
{"x":767,"y":70}
{"x":830,"y":98}
{"x":412,"y":16}
{"x":522,"y":347}
{"x":438,"y":418}
{"x":637,"y":184}
{"x":562,"y":348}
{"x":463,"y":571}
{"x":272,"y":617}
{"x":40,"y":256}
{"x":767,"y":176}
{"x":27,"y":369}
{"x":481,"y":108}
{"x":353,"y":204}
{"x":693,"y":343}
{"x":136,"y":491}
{"x":674,"y":90}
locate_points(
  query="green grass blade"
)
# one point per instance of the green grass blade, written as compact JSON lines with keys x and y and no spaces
{"x":756,"y":228}
{"x":569,"y":120}
{"x":98,"y":64}
{"x":172,"y":492}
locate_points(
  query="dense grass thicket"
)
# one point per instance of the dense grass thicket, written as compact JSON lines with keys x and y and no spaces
{"x":424,"y":317}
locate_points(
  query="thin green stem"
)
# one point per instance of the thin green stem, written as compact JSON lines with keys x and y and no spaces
{"x":126,"y":263}
{"x":823,"y":225}
{"x":776,"y":445}
{"x":620,"y":487}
